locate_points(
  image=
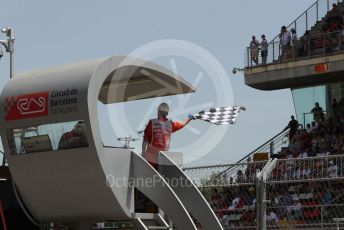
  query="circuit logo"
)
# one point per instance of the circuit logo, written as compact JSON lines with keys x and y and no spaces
{"x":26,"y":106}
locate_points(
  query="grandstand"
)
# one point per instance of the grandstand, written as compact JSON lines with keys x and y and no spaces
{"x":294,"y":183}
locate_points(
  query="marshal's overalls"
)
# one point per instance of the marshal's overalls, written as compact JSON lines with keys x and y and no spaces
{"x":158,"y":135}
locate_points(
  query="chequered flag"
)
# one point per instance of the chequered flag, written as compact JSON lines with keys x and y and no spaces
{"x":220,"y":115}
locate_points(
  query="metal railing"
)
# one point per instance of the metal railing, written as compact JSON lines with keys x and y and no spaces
{"x":304,"y":193}
{"x":319,"y":168}
{"x":235,"y":185}
{"x":200,"y":174}
{"x":271,"y":146}
{"x":305,"y":22}
{"x":304,"y":48}
{"x":232,"y":195}
{"x":213,"y":176}
{"x":309,"y":117}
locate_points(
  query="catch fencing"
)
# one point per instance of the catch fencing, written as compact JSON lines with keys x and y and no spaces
{"x":297,"y":193}
{"x":230,"y":190}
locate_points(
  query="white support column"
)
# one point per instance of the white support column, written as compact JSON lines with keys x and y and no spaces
{"x":261,"y":178}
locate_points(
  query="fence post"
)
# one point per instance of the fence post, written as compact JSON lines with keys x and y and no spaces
{"x":273,"y":51}
{"x":306,"y":20}
{"x":324,"y":44}
{"x":263,"y":206}
{"x":247,"y":56}
{"x":272,"y":145}
{"x":340,"y":42}
{"x":317,"y":6}
{"x":261,"y":201}
{"x":250,"y":57}
{"x":322,"y":217}
{"x":309,"y":47}
{"x":258,"y":218}
{"x":261,"y":179}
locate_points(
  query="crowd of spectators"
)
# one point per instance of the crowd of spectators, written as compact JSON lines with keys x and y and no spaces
{"x":334,"y":20}
{"x":235,"y":205}
{"x":306,"y":202}
{"x":304,"y":199}
{"x":324,"y":39}
{"x":312,"y":153}
{"x":322,"y":137}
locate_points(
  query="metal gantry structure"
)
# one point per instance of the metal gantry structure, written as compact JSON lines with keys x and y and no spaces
{"x":9,"y":46}
{"x":127,"y":140}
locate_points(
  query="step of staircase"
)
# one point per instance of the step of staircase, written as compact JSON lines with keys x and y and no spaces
{"x":156,"y":222}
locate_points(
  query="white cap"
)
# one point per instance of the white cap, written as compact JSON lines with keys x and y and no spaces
{"x":164,"y":107}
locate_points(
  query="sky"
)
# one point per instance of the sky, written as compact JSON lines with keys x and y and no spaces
{"x":50,"y":33}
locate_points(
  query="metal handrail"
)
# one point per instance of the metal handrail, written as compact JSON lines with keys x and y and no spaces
{"x":266,"y":145}
{"x":278,"y":136}
{"x":301,"y":24}
{"x":320,"y":45}
{"x":316,"y":4}
{"x":324,"y":111}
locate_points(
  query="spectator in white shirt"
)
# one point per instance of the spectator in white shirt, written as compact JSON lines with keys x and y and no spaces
{"x":272,"y":218}
{"x":264,"y":49}
{"x":254,"y":48}
{"x":293,"y":36}
{"x":298,"y":173}
{"x":295,"y":211}
{"x":332,"y":170}
{"x":285,"y":38}
{"x":234,"y":204}
{"x":304,"y":154}
{"x":241,"y":177}
{"x":306,"y":172}
{"x":293,"y":41}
